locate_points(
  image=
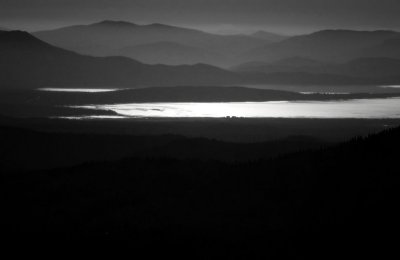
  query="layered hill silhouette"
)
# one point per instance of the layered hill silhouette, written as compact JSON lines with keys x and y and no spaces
{"x":362,"y":67}
{"x":389,"y":48}
{"x":109,"y":37}
{"x":28,"y":62}
{"x":172,"y":53}
{"x":164,"y":44}
{"x":327,"y":45}
{"x":293,"y":64}
{"x":271,"y":37}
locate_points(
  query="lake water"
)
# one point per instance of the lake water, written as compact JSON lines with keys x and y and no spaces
{"x":79,"y":90}
{"x":295,"y":88}
{"x":359,"y":108}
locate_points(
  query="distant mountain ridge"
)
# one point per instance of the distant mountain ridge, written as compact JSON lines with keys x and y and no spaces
{"x":327,"y":45}
{"x":360,"y":67}
{"x":109,"y":37}
{"x":272,"y":37}
{"x":293,"y":64}
{"x":171,"y":53}
{"x":388,"y":48}
{"x":143,"y":43}
{"x":28,"y":62}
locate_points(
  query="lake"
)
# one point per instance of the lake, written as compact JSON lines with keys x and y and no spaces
{"x":79,"y":90}
{"x":358,"y":108}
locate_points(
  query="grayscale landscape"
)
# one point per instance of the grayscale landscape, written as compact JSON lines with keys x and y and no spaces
{"x":230,"y":129}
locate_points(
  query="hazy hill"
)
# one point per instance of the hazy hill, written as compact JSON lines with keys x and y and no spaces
{"x":328,"y":45}
{"x":389,"y":48}
{"x":371,"y":67}
{"x":293,"y":64}
{"x":377,"y":68}
{"x":172,"y":53}
{"x":108,"y":37}
{"x":28,"y":62}
{"x":272,"y":37}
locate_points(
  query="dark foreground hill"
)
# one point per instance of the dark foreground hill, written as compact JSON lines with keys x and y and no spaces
{"x":26,"y":150}
{"x":337,"y":201}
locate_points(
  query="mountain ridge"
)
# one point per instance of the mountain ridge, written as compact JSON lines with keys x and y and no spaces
{"x":324,"y":45}
{"x":366,"y":67}
{"x":273,"y":37}
{"x":27,"y":62}
{"x":107,"y":38}
{"x":42,"y":64}
{"x":171,"y":53}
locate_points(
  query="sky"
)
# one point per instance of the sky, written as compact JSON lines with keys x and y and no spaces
{"x":218,"y":16}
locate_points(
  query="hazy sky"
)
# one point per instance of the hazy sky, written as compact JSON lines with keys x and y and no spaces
{"x":227,"y":16}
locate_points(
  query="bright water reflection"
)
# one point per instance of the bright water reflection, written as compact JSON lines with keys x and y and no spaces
{"x":83,"y":90}
{"x":360,"y":108}
{"x":391,"y":86}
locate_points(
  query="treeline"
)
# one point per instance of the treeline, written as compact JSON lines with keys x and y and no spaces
{"x":24,"y":149}
{"x":324,"y":202}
